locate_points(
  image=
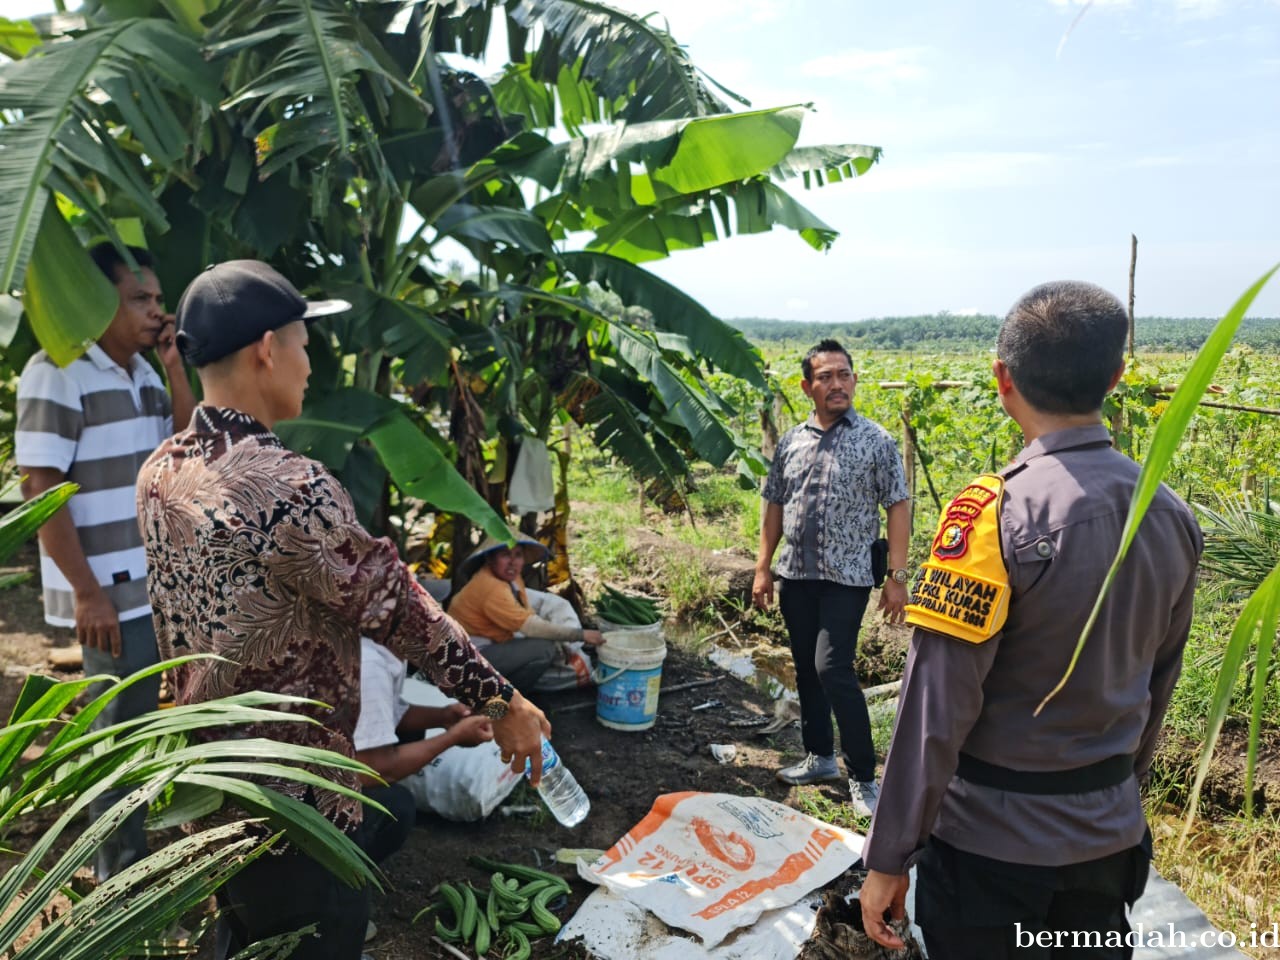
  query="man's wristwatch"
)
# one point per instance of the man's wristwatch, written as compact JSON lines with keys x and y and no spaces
{"x":495,"y":708}
{"x":899,"y":575}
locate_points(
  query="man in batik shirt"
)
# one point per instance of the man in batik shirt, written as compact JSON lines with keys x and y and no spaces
{"x":254,"y":553}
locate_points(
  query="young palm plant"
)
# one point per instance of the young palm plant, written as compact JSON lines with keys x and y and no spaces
{"x":1241,"y":543}
{"x":152,"y":757}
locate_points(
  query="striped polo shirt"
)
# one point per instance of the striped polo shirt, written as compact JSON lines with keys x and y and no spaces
{"x":97,"y":423}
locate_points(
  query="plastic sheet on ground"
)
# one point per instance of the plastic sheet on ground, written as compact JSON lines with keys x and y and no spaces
{"x":712,"y":863}
{"x":613,"y":928}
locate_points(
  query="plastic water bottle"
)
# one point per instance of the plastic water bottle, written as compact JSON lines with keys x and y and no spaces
{"x":559,"y":790}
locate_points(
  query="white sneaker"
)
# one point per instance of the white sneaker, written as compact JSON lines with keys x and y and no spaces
{"x":863,"y":796}
{"x":811,"y":769}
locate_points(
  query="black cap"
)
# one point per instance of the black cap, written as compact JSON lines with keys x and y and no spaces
{"x":234,"y":303}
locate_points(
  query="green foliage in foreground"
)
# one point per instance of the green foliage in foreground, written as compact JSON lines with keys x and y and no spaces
{"x":151,"y":757}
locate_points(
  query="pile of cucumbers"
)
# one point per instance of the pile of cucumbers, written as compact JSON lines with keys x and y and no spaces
{"x":511,"y":909}
{"x":626,"y":610}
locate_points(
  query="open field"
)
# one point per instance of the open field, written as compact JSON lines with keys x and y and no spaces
{"x":698,"y":560}
{"x":1229,"y":865}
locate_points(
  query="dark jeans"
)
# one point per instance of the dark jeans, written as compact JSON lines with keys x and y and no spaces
{"x":277,"y":894}
{"x":380,"y":836}
{"x":823,"y":619}
{"x":975,"y":908}
{"x":522,"y":660}
{"x":137,"y":650}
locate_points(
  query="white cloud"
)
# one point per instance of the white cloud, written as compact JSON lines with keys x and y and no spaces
{"x":962,"y":171}
{"x":1091,"y":3}
{"x":967,"y":312}
{"x":1183,"y":9}
{"x":796,"y":304}
{"x":1165,"y":161}
{"x":1198,"y":9}
{"x":875,"y":67}
{"x":688,"y":19}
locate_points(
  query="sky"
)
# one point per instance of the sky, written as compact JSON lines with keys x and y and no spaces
{"x":1011,"y":156}
{"x":1024,"y":141}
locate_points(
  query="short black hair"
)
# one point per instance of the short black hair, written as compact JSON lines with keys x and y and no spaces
{"x":1062,"y":343}
{"x":110,"y":260}
{"x":822,"y":346}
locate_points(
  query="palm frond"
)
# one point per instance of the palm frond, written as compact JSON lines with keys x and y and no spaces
{"x":687,"y":404}
{"x":52,"y":120}
{"x":628,"y":59}
{"x":21,"y":523}
{"x":674,"y":311}
{"x":621,"y":427}
{"x":1241,"y":544}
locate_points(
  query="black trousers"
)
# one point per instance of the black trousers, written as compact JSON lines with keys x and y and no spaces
{"x":823,"y":619}
{"x":381,"y":835}
{"x":275,"y":895}
{"x":974,"y":908}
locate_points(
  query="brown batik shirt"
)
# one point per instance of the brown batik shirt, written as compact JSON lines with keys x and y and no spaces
{"x":254,"y":553}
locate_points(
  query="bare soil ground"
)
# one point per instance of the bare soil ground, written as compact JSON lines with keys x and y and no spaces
{"x":622,"y":773}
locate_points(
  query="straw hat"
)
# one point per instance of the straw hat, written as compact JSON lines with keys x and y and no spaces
{"x":533,"y":550}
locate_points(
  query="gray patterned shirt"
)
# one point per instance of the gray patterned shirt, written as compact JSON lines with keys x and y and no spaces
{"x":830,"y":485}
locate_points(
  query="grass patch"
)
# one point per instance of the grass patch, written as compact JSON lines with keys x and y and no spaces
{"x":1229,"y":868}
{"x":523,"y":795}
{"x":812,"y":802}
{"x":600,"y":544}
{"x":690,"y":589}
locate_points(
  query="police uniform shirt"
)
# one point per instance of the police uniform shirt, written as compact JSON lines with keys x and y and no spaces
{"x":985,"y":654}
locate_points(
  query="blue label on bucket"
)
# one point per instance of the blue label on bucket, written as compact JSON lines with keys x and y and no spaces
{"x":630,"y":698}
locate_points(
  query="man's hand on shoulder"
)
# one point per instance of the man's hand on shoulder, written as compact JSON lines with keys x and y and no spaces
{"x":97,"y":623}
{"x":519,"y":735}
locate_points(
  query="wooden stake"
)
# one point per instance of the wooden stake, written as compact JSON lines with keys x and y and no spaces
{"x":909,"y":462}
{"x":728,"y":629}
{"x":1133,"y":266}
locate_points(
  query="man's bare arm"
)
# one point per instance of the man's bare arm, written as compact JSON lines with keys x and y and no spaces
{"x":893,"y":596}
{"x":770,"y":536}
{"x":97,"y":623}
{"x":180,"y":393}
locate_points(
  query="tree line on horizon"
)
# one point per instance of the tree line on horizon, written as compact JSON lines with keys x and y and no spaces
{"x":931,"y":333}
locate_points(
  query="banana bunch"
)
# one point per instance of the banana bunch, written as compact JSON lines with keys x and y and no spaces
{"x":512,"y":908}
{"x":626,"y":610}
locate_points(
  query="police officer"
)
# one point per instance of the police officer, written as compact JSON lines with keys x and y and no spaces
{"x":1027,"y":829}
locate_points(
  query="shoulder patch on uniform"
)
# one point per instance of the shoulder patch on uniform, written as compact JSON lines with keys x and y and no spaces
{"x":963,"y":588}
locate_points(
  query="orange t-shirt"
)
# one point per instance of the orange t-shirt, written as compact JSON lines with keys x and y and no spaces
{"x":486,"y":607}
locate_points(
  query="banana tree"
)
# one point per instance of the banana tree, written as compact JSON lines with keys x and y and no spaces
{"x":335,"y":140}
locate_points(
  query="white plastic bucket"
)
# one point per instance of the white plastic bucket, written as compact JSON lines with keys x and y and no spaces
{"x":608,"y":626}
{"x":628,"y":677}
